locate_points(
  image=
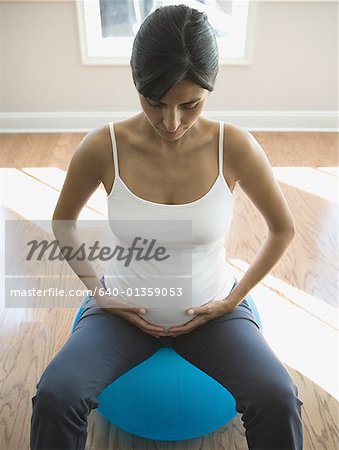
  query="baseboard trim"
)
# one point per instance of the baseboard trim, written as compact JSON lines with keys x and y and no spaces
{"x":72,"y":122}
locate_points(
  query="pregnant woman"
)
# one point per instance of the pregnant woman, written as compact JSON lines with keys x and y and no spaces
{"x":170,"y":165}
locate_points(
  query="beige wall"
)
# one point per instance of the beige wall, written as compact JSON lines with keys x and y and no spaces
{"x":293,"y":68}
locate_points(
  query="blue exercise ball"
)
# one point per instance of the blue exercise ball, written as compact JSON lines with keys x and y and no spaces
{"x":167,"y":398}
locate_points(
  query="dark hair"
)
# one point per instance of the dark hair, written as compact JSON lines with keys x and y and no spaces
{"x":174,"y":43}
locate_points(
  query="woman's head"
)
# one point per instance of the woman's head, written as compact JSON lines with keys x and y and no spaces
{"x":175,"y":47}
{"x":174,"y":43}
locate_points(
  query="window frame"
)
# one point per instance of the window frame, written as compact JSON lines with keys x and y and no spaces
{"x":90,"y":38}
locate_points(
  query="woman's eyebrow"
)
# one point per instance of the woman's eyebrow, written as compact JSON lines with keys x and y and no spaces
{"x":182,"y":104}
{"x":192,"y":101}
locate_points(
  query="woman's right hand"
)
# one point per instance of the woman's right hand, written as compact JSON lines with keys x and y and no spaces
{"x":131,"y":313}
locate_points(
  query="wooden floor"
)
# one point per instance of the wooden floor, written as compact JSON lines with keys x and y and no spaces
{"x":296,"y":302}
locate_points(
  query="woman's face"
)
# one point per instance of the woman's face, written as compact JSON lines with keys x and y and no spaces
{"x":177,"y":111}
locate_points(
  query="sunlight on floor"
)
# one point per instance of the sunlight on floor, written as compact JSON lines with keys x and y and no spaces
{"x":330,"y":170}
{"x":317,"y":182}
{"x":313,"y":305}
{"x":54,"y":177}
{"x":29,"y":189}
{"x":299,"y":328}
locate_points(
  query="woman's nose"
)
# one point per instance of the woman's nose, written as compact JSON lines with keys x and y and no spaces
{"x":171,"y":120}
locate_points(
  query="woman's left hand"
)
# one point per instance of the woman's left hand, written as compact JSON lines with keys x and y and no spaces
{"x":202,"y":314}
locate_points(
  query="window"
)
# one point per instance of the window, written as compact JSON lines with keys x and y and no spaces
{"x":107,"y":27}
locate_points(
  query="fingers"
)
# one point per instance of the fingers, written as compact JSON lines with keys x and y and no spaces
{"x":148,"y":327}
{"x":197,"y":310}
{"x":153,"y":330}
{"x":137,"y":310}
{"x":190,"y":326}
{"x":131,"y":314}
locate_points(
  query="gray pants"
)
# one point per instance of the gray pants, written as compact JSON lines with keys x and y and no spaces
{"x":230,"y":348}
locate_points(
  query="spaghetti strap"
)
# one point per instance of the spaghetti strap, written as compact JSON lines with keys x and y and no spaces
{"x":114,"y":148}
{"x":221,"y":146}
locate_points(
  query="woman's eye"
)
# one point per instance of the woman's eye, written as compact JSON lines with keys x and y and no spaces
{"x":155,"y":105}
{"x":191,"y":106}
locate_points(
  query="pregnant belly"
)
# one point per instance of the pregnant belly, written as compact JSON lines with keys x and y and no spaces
{"x":164,"y":311}
{"x":167,"y":306}
{"x":166,"y":317}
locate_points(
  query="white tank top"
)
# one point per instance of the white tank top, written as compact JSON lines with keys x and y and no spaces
{"x":193,"y":239}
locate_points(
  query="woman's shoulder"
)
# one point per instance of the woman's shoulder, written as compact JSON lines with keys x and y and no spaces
{"x":235,"y":136}
{"x":241,"y":150}
{"x":236,"y":140}
{"x":97,"y":145}
{"x":95,"y":140}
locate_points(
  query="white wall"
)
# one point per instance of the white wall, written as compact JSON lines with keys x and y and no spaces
{"x":293,"y":72}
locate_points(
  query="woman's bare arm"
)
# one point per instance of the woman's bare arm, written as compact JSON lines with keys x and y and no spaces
{"x":252,"y":171}
{"x":82,"y":179}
